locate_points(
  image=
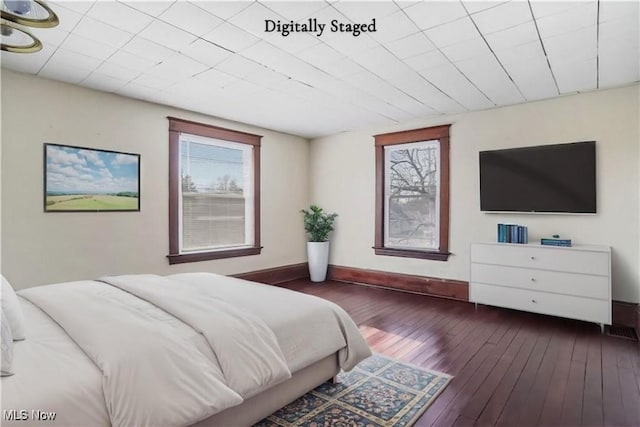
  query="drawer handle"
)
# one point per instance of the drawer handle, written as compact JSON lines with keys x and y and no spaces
{"x":533,"y":279}
{"x":534,"y":301}
{"x":533,"y":258}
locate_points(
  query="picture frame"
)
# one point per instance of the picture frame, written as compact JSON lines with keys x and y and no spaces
{"x":83,"y":179}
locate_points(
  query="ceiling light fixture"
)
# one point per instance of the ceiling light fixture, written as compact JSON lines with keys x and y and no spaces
{"x":32,"y":13}
{"x":17,"y":39}
{"x":18,"y":13}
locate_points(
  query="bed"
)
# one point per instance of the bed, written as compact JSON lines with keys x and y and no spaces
{"x":186,"y":349}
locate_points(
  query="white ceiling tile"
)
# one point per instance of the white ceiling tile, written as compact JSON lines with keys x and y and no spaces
{"x":31,"y":63}
{"x":515,"y":36}
{"x":149,"y":7}
{"x":533,"y":78}
{"x":542,"y":9}
{"x":349,"y":45}
{"x":434,"y":13}
{"x":206,"y":52}
{"x":63,"y":72}
{"x":103,"y":83}
{"x":213,"y":79}
{"x":576,"y":76}
{"x":375,"y":59}
{"x":501,"y":17}
{"x":68,"y":18}
{"x":252,"y":19}
{"x":432,"y":59}
{"x":403,"y":4}
{"x":618,"y":66}
{"x":223,"y":9}
{"x":465,"y":50}
{"x":268,"y":55}
{"x":410,"y":46}
{"x":67,"y":58}
{"x":363,"y":12}
{"x":304,"y":72}
{"x":80,"y":7}
{"x":294,"y":43}
{"x":339,"y":80}
{"x":266,"y":78}
{"x":177,"y":67}
{"x":167,"y":35}
{"x":577,"y":45}
{"x":449,"y":80}
{"x":393,"y":27}
{"x":296,"y":10}
{"x":190,"y":18}
{"x":238,"y":66}
{"x":474,"y":6}
{"x":231,"y":37}
{"x":342,"y":67}
{"x":320,"y":54}
{"x":486,"y":73}
{"x":50,"y":36}
{"x":148,"y":49}
{"x":619,"y":30}
{"x":522,"y":53}
{"x":372,"y":84}
{"x":153,"y":82}
{"x":88,"y":47}
{"x":453,"y":33}
{"x":240,"y":88}
{"x":131,"y":61}
{"x":120,"y":16}
{"x":134,"y":90}
{"x":614,"y":11}
{"x":420,"y":89}
{"x":568,"y":21}
{"x":117,"y":71}
{"x":101,"y":32}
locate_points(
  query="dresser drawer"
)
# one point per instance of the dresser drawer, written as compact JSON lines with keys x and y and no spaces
{"x":592,"y":310}
{"x":582,"y":285}
{"x":539,"y":257}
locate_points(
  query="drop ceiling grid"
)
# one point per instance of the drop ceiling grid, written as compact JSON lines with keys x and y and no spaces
{"x":428,"y":58}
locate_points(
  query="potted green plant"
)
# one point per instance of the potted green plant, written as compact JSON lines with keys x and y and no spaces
{"x":318,"y":225}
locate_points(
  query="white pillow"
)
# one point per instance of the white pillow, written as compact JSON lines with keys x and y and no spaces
{"x":7,"y":347}
{"x":12,"y":310}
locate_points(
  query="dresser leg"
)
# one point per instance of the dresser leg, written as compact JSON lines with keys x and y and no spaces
{"x":602,"y":328}
{"x":476,"y":304}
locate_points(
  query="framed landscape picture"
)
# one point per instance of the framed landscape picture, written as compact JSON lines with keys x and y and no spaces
{"x":78,"y":179}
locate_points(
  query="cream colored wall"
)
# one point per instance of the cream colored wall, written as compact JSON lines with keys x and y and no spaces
{"x":40,"y":247}
{"x":343,"y":181}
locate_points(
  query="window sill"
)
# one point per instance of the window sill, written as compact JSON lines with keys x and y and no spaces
{"x":408,"y":253}
{"x":207,"y":256}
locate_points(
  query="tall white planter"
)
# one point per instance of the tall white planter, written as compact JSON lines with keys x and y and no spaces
{"x":318,"y":256}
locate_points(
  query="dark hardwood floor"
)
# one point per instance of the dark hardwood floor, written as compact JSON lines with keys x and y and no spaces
{"x":511,"y":368}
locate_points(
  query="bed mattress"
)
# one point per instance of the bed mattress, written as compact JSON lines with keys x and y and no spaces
{"x":56,"y":380}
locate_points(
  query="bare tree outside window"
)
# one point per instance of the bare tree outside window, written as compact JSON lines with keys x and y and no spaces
{"x":412,"y":195}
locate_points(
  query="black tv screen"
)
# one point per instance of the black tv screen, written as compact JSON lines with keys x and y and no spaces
{"x":548,"y":178}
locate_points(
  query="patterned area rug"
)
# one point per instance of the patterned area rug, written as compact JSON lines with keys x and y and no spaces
{"x":379,"y":392}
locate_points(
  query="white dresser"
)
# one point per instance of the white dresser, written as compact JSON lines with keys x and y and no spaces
{"x":570,"y":282}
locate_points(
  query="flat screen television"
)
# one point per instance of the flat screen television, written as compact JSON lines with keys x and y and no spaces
{"x":558,"y":178}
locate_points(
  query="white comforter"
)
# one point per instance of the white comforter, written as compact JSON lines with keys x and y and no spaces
{"x":241,"y":338}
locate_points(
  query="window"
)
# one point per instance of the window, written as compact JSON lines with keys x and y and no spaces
{"x":214,"y":192}
{"x":412,"y":193}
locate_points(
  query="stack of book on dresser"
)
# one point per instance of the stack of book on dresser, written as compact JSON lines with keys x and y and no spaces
{"x":555,"y":241}
{"x":512,"y":233}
